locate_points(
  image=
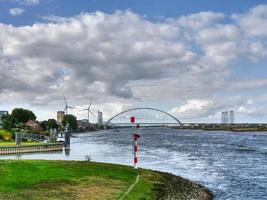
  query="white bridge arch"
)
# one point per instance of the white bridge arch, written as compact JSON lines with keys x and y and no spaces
{"x":144,"y":108}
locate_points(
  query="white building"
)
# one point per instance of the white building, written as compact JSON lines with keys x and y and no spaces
{"x":228,"y":117}
{"x":232,"y":117}
{"x":225,"y":118}
{"x":100,"y":118}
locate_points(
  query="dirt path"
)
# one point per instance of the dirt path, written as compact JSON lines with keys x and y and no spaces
{"x":130,"y":188}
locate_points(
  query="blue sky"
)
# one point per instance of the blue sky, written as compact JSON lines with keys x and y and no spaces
{"x":149,"y":8}
{"x":191,"y":58}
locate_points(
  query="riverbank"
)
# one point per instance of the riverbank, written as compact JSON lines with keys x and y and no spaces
{"x":233,"y":129}
{"x":39,"y":179}
{"x":229,"y":129}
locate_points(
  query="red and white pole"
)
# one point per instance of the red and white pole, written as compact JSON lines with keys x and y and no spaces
{"x":135,"y":137}
{"x":135,"y":146}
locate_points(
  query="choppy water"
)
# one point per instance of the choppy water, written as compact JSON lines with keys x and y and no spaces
{"x":232,"y":165}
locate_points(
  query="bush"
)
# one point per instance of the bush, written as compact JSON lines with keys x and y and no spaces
{"x":5,"y":135}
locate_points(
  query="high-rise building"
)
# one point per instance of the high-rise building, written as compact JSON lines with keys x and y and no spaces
{"x":225,"y":118}
{"x":100,"y":118}
{"x":232,"y":117}
{"x":228,"y":117}
{"x":60,"y":116}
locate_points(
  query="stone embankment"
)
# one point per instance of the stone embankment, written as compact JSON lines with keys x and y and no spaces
{"x":177,"y":188}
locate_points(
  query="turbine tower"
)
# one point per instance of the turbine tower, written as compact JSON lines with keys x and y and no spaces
{"x":66,"y":106}
{"x":89,"y":111}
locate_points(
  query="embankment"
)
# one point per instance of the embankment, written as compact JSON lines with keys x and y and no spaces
{"x":175,"y":187}
{"x":69,"y":180}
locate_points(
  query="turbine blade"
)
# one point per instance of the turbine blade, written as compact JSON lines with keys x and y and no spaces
{"x":90,"y":103}
{"x":65,"y":101}
{"x":91,"y":112}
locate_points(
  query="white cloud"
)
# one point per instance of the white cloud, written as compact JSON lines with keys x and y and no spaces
{"x":29,"y":2}
{"x":253,"y":23}
{"x":16,"y":11}
{"x":211,"y":108}
{"x":125,"y":56}
{"x":90,"y":49}
{"x":200,"y":20}
{"x":109,"y":110}
{"x":24,"y":2}
{"x":193,"y":108}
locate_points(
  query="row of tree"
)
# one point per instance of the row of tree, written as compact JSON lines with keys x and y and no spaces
{"x":17,"y":117}
{"x":71,"y":120}
{"x":20,"y":116}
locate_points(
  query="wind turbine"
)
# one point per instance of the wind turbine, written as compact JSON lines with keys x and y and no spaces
{"x":66,"y":106}
{"x":89,"y":111}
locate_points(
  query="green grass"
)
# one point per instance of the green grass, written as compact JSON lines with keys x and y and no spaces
{"x":72,"y":180}
{"x":12,"y":144}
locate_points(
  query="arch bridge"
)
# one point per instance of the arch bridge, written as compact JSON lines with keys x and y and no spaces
{"x":176,"y":122}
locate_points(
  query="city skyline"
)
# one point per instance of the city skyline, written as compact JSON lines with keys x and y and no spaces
{"x":192,"y":61}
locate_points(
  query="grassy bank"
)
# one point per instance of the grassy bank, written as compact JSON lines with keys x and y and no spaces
{"x":12,"y":144}
{"x":81,"y":180}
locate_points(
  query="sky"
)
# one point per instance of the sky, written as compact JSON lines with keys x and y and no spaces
{"x":191,"y":58}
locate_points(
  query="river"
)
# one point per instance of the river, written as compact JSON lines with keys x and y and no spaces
{"x":232,"y":165}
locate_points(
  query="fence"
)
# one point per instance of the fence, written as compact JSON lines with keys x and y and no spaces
{"x":31,"y":149}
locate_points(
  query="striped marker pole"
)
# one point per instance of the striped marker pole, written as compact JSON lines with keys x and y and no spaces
{"x":135,"y":138}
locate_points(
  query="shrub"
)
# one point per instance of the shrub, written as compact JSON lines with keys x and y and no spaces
{"x":5,"y":135}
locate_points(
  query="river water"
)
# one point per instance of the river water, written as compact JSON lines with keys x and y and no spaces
{"x":232,"y":165}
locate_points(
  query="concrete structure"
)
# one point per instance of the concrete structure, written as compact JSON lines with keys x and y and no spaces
{"x":232,"y":117}
{"x":60,"y":116}
{"x":228,"y":117}
{"x":225,"y":118}
{"x":31,"y":149}
{"x":100,"y":118}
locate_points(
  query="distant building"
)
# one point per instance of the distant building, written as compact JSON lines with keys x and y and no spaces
{"x":36,"y":127}
{"x":232,"y":117}
{"x":2,"y":112}
{"x":100,"y":118}
{"x":60,"y":116}
{"x":83,"y":124}
{"x":228,"y":117}
{"x":225,"y":118}
{"x":222,"y":117}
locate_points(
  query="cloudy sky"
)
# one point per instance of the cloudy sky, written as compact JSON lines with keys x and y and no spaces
{"x":191,"y":58}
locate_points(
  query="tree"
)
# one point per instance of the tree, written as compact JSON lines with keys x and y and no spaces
{"x":72,"y":120}
{"x":8,"y":121}
{"x":23,"y":115}
{"x":43,"y":124}
{"x":50,"y":123}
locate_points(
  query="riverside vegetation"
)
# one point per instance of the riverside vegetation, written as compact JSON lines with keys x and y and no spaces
{"x":70,"y":180}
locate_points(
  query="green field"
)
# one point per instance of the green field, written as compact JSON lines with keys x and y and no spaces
{"x":44,"y":180}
